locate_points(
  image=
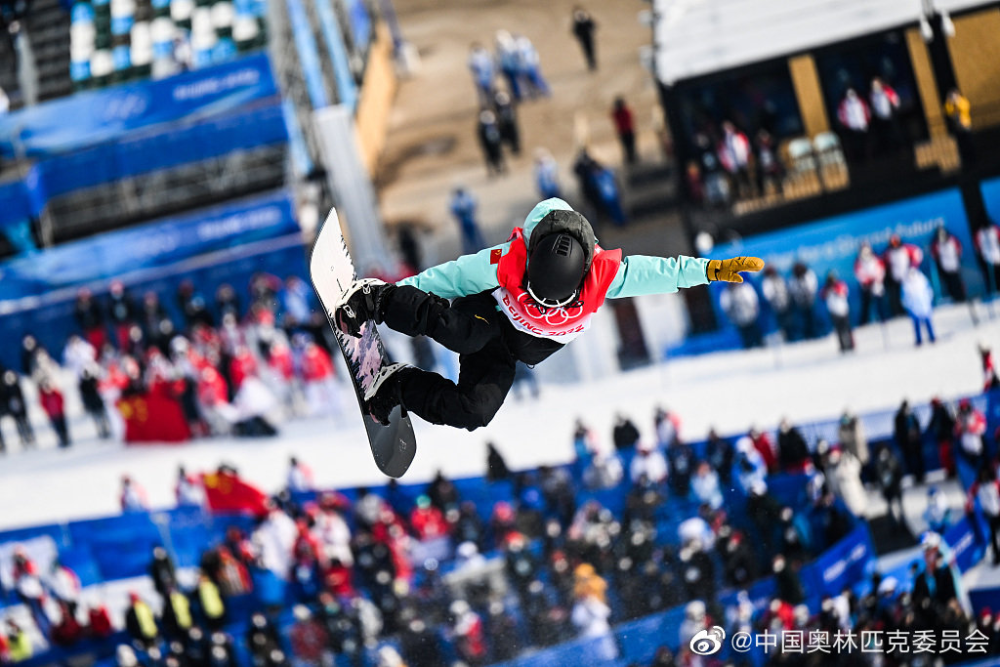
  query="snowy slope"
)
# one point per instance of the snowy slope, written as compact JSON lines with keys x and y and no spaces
{"x":730,"y":391}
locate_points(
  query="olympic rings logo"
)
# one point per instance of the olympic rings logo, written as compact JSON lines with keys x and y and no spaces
{"x":554,"y":317}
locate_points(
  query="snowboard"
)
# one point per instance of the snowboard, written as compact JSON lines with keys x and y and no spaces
{"x":332,"y":271}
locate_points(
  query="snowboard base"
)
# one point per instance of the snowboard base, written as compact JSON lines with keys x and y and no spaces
{"x":332,"y":272}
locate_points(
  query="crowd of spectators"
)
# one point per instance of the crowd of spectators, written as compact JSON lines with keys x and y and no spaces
{"x":732,"y":162}
{"x":890,"y":283}
{"x":446,"y":582}
{"x":222,"y":367}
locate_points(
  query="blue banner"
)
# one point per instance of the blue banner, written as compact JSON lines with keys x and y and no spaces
{"x":991,"y":197}
{"x":170,"y":147}
{"x":223,"y":245}
{"x":966,"y":546}
{"x":95,"y":116}
{"x":842,"y":565}
{"x":145,"y":247}
{"x":832,"y":244}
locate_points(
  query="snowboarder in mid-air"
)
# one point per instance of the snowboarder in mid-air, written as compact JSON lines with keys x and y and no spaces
{"x":521,"y":300}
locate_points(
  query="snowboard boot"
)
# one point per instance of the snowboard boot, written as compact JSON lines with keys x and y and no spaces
{"x":362,"y":301}
{"x":384,"y":393}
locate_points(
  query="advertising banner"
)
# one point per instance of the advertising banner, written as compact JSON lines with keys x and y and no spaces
{"x":145,"y":247}
{"x":96,"y":116}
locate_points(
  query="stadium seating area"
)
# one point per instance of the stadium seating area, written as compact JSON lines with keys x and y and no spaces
{"x":112,"y":41}
{"x":119,"y":548}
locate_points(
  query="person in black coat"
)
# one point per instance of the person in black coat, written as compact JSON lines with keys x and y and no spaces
{"x":496,"y":467}
{"x":941,"y":430}
{"x":12,"y":403}
{"x":491,"y":141}
{"x":625,"y":434}
{"x":162,"y":572}
{"x":93,"y":403}
{"x":507,"y":121}
{"x":122,"y":313}
{"x":889,"y":475}
{"x":793,"y":452}
{"x":192,"y":306}
{"x":908,"y":439}
{"x":88,"y":315}
{"x":442,"y":493}
{"x":583,"y":29}
{"x":720,"y":455}
{"x":30,"y":350}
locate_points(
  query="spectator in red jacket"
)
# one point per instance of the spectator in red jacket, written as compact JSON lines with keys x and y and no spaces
{"x":338,"y":579}
{"x":318,"y":377}
{"x":835,"y":295}
{"x":947,"y":253}
{"x":899,"y":258}
{"x":99,"y":622}
{"x":869,"y":269}
{"x":67,"y":631}
{"x":970,"y":425}
{"x":624,"y":121}
{"x":734,"y":155}
{"x":990,"y":379}
{"x":762,"y":443}
{"x":467,"y":632}
{"x":54,"y":406}
{"x":428,"y":521}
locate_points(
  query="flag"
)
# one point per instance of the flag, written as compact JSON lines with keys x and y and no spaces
{"x":226,"y":492}
{"x":153,"y":417}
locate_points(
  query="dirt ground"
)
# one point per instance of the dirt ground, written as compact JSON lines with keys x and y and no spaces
{"x":432,"y":146}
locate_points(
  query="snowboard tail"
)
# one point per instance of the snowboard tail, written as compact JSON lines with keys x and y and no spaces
{"x":332,"y":271}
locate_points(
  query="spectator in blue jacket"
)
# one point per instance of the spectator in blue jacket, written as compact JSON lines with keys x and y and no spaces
{"x":481,"y":65}
{"x":547,"y":174}
{"x":463,"y":207}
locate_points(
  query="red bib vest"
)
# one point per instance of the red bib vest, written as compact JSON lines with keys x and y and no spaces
{"x":563,"y":323}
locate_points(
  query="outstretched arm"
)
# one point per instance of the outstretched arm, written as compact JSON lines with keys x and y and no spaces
{"x":469,"y":274}
{"x":639,"y":275}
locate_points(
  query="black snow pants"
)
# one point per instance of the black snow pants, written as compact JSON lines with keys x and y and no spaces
{"x":488,"y":346}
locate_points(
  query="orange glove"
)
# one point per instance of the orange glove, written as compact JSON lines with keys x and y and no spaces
{"x":728,"y":270}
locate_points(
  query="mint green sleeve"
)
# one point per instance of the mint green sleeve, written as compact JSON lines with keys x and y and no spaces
{"x":639,"y":275}
{"x":469,"y":274}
